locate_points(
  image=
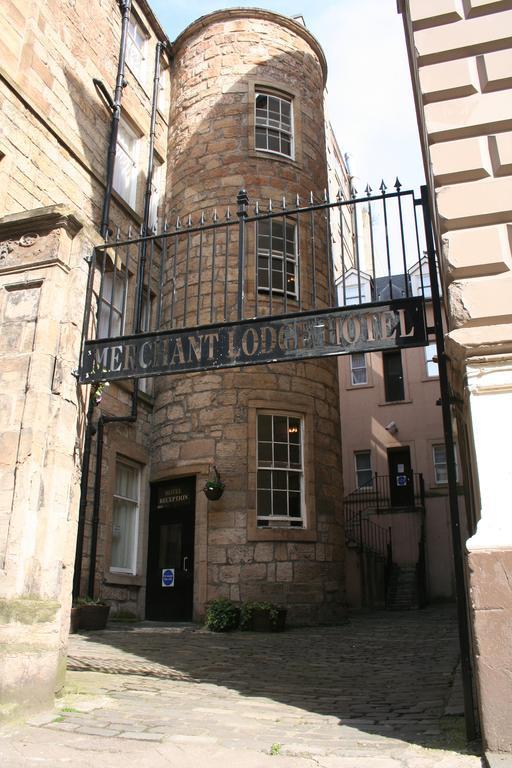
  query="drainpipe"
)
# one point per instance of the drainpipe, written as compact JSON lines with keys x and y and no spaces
{"x":125,"y":7}
{"x":147,"y":195}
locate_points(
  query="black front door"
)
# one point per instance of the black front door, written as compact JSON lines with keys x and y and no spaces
{"x":170,"y":575}
{"x":401,"y":481}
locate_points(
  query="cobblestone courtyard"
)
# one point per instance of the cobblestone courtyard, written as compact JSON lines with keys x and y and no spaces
{"x":382,"y":691}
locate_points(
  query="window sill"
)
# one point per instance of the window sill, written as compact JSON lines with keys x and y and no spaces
{"x":126,"y":206}
{"x":113,"y":578}
{"x":360,"y":386}
{"x":394,"y":402}
{"x":280,"y":534}
{"x":263,"y":154}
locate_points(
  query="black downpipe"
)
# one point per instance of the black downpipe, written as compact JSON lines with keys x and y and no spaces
{"x":147,"y":195}
{"x":125,"y":6}
{"x":460,"y":582}
{"x":102,"y":422}
{"x":84,"y":481}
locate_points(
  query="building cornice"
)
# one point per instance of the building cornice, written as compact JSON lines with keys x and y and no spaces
{"x":228,"y":14}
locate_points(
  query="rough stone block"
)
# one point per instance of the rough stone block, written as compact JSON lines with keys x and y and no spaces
{"x":454,"y":41}
{"x":264,"y":552}
{"x":471,"y":116}
{"x":478,"y":251}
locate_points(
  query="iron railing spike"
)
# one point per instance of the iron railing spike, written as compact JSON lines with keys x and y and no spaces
{"x":166,"y":225}
{"x":383,"y":187}
{"x":311,"y":199}
{"x":178,"y":222}
{"x":130,"y":232}
{"x":118,"y":233}
{"x":228,"y":214}
{"x":189,"y":220}
{"x":215,"y":216}
{"x":339,"y":195}
{"x":398,"y":186}
{"x":202,"y":217}
{"x":257,"y":208}
{"x":284,"y":203}
{"x":354,"y":193}
{"x":298,"y":201}
{"x":368,"y":190}
{"x":326,"y":198}
{"x":270,"y":204}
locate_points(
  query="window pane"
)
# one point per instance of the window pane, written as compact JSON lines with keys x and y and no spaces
{"x":280,"y":506}
{"x":281,"y":453}
{"x":294,"y":502}
{"x":264,"y":503}
{"x":393,"y":375}
{"x":279,"y":480}
{"x":264,"y":452}
{"x":264,"y":427}
{"x":281,"y":429}
{"x":123,"y":534}
{"x":264,"y":478}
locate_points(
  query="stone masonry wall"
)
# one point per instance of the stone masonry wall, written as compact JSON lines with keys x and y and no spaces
{"x":211,"y":418}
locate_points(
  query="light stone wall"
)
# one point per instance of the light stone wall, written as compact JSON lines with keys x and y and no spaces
{"x":43,"y":276}
{"x":53,"y":147}
{"x":461,"y":65}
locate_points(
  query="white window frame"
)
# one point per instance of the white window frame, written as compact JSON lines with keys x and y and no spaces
{"x":288,"y":259}
{"x":112,"y":298}
{"x":352,"y":294}
{"x":136,"y":48}
{"x":156,"y":189}
{"x":272,"y":128}
{"x":135,"y":502}
{"x":354,"y":369}
{"x":431,"y":367}
{"x":126,"y":163}
{"x":271,"y":466}
{"x":440,"y":467}
{"x":359,"y":470}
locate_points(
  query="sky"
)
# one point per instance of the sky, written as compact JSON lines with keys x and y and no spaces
{"x":370,"y":98}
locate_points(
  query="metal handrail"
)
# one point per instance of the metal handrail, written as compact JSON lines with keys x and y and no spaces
{"x":375,"y":497}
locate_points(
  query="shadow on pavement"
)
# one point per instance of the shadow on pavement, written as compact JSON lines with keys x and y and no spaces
{"x":386,"y":674}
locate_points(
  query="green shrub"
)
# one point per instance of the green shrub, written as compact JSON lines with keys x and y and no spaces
{"x":248,"y":609}
{"x":222,"y":615}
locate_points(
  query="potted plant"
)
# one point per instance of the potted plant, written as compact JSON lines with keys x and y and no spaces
{"x":93,"y":613}
{"x":214,"y":487}
{"x":262,"y":617}
{"x":222,"y":615}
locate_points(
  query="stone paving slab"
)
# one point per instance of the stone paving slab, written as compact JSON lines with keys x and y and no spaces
{"x":368,"y":694}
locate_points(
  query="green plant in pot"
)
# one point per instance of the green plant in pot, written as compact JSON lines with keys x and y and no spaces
{"x":222,"y":615}
{"x":214,"y":487}
{"x":93,"y":613}
{"x":262,"y":617}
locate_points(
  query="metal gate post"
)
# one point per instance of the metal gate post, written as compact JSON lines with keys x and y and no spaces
{"x":242,"y":201}
{"x":458,"y":561}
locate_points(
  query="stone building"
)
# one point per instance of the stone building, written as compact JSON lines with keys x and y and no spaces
{"x":127,"y":473}
{"x":461,"y":65}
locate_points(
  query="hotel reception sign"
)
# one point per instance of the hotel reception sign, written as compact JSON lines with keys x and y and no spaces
{"x":376,"y":327}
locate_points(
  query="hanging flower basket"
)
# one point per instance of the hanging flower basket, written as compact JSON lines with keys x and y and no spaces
{"x":214,"y":487}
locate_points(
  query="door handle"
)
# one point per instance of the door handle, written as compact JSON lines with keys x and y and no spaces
{"x":185,"y":561}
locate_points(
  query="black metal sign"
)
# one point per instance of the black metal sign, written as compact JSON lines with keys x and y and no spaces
{"x":365,"y":328}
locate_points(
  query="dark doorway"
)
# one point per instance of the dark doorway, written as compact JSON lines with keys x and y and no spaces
{"x":401,"y":481}
{"x":170,"y":574}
